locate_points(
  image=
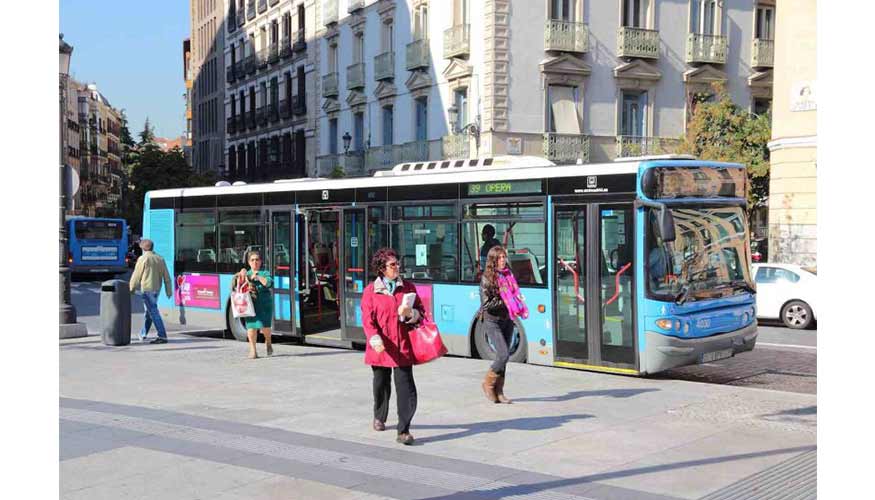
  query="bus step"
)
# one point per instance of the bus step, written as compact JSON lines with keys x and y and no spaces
{"x":328,"y":339}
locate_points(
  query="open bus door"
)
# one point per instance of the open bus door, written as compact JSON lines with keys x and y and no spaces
{"x":281,"y":264}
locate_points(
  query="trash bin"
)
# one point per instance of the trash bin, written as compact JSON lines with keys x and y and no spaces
{"x":115,"y":312}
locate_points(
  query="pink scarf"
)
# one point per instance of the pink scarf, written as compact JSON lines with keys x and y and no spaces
{"x":510,"y":295}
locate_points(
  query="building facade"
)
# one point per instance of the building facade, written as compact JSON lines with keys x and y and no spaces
{"x":189,"y":83}
{"x":793,"y":176}
{"x":570,"y":80}
{"x":207,"y":88}
{"x":270,"y":67}
{"x":100,"y":155}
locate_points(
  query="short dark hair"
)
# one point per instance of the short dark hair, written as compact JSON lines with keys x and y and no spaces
{"x":381,"y":256}
{"x":489,"y":230}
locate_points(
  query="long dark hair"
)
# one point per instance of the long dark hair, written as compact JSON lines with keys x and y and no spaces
{"x":490,"y":275}
{"x":381,"y":256}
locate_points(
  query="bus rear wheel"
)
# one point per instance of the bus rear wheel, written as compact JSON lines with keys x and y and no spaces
{"x":235,"y":326}
{"x":487,"y":351}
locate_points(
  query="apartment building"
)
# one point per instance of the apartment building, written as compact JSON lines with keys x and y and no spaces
{"x":208,"y":89}
{"x":72,"y":156}
{"x":188,"y":77}
{"x":100,"y":157}
{"x":570,"y":80}
{"x":793,"y":179}
{"x":270,"y":100}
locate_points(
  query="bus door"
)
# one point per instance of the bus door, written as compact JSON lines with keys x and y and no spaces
{"x":354,"y":272}
{"x":593,"y":296}
{"x":281,"y":263}
{"x":319,"y":270}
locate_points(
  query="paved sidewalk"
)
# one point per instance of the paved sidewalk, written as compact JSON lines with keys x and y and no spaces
{"x":195,"y":419}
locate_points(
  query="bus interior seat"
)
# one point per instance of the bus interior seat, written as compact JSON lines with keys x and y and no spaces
{"x":524,"y":265}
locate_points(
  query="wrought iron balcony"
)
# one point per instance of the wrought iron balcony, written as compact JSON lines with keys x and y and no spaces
{"x":241,"y":122}
{"x":285,"y":48}
{"x":274,"y":2}
{"x":354,"y":5}
{"x":382,"y":157}
{"x":417,"y":54}
{"x":285,"y":109}
{"x":261,"y":115}
{"x":241,"y":17}
{"x":456,"y":41}
{"x":250,"y":64}
{"x":326,"y":164}
{"x":273,"y":53}
{"x":355,"y":76}
{"x":273,"y":112}
{"x":329,"y":85}
{"x":250,"y":11}
{"x":300,"y":42}
{"x":230,"y":74}
{"x":231,"y":125}
{"x":261,"y":58}
{"x":253,"y":119}
{"x":637,"y":42}
{"x":566,"y":148}
{"x":629,"y":145}
{"x":354,"y":163}
{"x":299,"y":105}
{"x":414,"y":151}
{"x":763,"y":53}
{"x":329,"y":12}
{"x":232,"y":20}
{"x":262,"y":6}
{"x":239,"y":69}
{"x":456,"y":146}
{"x":706,"y":48}
{"x":566,"y":36}
{"x":384,"y":66}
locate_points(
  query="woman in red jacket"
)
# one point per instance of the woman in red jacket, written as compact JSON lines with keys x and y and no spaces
{"x":387,"y":322}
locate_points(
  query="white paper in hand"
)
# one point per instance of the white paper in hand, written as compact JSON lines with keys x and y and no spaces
{"x":408,"y":300}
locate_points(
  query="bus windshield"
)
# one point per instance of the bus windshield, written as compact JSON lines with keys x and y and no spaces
{"x":97,"y":230}
{"x":708,"y":259}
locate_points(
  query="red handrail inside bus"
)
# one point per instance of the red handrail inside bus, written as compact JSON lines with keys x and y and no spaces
{"x":576,"y":279}
{"x":617,"y":283}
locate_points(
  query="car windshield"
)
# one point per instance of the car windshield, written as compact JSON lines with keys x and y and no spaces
{"x":708,"y":258}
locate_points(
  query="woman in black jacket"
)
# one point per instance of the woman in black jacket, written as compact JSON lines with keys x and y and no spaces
{"x":496,"y":320}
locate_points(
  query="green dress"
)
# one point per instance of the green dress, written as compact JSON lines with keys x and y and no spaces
{"x":263,"y":302}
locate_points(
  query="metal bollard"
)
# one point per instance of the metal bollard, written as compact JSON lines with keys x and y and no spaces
{"x":115,"y":313}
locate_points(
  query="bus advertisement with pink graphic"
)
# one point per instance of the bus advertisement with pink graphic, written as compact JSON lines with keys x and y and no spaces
{"x":198,"y":290}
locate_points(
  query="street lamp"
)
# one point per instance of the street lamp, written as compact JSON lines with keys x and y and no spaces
{"x":472,"y":128}
{"x":346,"y":140}
{"x":69,"y":328}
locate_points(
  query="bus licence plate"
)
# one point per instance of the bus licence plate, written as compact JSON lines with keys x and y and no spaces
{"x":715,"y":355}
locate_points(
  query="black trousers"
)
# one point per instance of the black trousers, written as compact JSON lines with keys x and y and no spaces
{"x":499,"y":332}
{"x":405,"y":387}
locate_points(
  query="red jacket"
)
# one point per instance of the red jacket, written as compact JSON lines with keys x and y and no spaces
{"x":380,"y":317}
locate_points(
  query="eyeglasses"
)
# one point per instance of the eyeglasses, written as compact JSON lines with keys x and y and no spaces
{"x":392,"y":264}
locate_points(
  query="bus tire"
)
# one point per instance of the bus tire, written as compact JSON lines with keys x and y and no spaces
{"x":486,"y":351}
{"x":235,"y":325}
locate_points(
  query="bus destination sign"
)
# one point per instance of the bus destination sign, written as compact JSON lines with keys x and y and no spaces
{"x":504,"y":187}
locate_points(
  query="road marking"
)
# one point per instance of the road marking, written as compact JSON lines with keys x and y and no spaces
{"x":787,"y":345}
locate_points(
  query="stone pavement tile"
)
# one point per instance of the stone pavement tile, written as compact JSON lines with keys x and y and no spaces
{"x":73,"y":446}
{"x":286,"y":488}
{"x":113,"y":465}
{"x":177,"y":478}
{"x":695,"y":469}
{"x":70,"y":427}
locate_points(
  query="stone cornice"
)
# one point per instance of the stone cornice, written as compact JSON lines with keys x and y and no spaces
{"x":793,"y":143}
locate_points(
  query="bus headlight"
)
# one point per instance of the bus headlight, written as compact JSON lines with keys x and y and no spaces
{"x":664,"y":323}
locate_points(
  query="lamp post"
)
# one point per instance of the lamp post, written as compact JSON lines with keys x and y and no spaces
{"x":69,"y":328}
{"x":472,"y":128}
{"x":346,"y":140}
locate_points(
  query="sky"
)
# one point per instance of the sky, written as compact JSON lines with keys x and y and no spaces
{"x":133,"y":52}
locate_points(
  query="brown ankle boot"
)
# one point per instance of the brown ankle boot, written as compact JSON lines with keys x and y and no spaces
{"x":489,"y":386}
{"x":499,"y":391}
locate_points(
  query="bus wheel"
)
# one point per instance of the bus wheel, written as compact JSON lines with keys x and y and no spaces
{"x":487,"y":351}
{"x":236,"y":327}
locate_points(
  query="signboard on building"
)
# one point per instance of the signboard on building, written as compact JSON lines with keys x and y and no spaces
{"x":803,"y":96}
{"x":514,"y":145}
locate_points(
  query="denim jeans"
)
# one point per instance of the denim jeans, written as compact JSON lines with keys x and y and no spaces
{"x":150,"y":305}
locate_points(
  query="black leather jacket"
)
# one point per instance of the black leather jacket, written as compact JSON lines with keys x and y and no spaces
{"x":491,"y":305}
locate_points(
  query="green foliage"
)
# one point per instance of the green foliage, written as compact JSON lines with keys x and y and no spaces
{"x":337,"y":173}
{"x":147,"y":136}
{"x":722,"y":131}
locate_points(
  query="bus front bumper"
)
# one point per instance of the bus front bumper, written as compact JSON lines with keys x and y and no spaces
{"x":99,"y":270}
{"x":664,"y":352}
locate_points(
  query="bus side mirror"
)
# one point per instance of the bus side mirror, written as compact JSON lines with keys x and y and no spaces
{"x":666,"y":225}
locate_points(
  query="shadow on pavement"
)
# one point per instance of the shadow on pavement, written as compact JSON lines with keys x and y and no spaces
{"x":517,"y":424}
{"x":613,"y":393}
{"x":528,"y":489}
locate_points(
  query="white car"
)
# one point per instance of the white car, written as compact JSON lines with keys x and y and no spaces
{"x":787,"y":292}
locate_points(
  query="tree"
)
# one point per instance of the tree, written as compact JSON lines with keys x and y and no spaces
{"x":147,"y":136}
{"x":722,"y":131}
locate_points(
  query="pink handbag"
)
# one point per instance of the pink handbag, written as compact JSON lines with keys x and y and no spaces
{"x":426,"y":342}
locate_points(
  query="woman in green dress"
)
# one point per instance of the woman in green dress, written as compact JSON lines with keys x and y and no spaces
{"x":260,"y":284}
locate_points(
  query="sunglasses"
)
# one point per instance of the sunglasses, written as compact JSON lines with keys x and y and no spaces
{"x":393,"y":264}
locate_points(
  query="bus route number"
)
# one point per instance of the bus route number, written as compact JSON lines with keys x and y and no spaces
{"x":490,"y":188}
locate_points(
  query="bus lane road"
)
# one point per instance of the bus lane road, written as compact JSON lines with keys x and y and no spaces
{"x":783,"y":360}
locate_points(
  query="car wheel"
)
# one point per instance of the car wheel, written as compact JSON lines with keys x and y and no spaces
{"x":797,"y":315}
{"x":235,"y":326}
{"x":487,"y":351}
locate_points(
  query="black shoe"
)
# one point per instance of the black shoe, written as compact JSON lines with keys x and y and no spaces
{"x":159,"y":340}
{"x":379,"y":425}
{"x":405,"y":438}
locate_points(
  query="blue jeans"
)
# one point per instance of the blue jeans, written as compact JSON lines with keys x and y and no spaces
{"x":150,"y":305}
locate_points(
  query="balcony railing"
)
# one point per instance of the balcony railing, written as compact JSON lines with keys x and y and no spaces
{"x":382,"y":157}
{"x":329,"y":12}
{"x":241,"y":122}
{"x":250,"y":11}
{"x":637,"y":42}
{"x":566,"y":148}
{"x":414,"y":151}
{"x":384,"y":66}
{"x":241,"y":17}
{"x":456,"y":146}
{"x":273,"y":53}
{"x":261,"y":58}
{"x":285,"y":48}
{"x":566,"y":36}
{"x":262,"y":115}
{"x":299,"y":105}
{"x":274,"y":2}
{"x":250,"y":64}
{"x":253,"y":120}
{"x":285,"y":109}
{"x":329,"y":85}
{"x":706,"y":48}
{"x":239,"y":69}
{"x":262,"y":6}
{"x":231,"y":74}
{"x":232,"y":20}
{"x":354,"y":163}
{"x":417,"y":54}
{"x":763,"y":54}
{"x":629,"y":145}
{"x":300,"y":42}
{"x":231,"y":125}
{"x":354,"y":5}
{"x":273,"y":112}
{"x":355,"y":76}
{"x":456,"y":41}
{"x":326,"y":164}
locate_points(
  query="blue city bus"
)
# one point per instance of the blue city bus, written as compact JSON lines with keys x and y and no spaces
{"x":630,"y":267}
{"x":98,"y":246}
